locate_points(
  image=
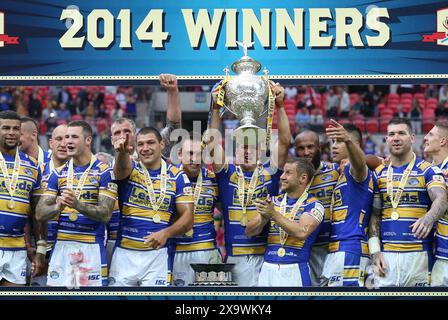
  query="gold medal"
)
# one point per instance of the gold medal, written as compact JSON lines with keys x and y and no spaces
{"x":243,"y":221}
{"x":73,"y":216}
{"x":281,"y":252}
{"x":156,"y":218}
{"x":395,"y":215}
{"x":189,"y":233}
{"x":11,"y":204}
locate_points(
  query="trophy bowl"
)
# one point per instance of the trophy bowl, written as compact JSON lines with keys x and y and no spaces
{"x":213,"y":274}
{"x":246,"y":95}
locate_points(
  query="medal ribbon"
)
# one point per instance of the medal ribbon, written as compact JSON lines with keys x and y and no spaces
{"x":270,"y":116}
{"x":82,"y":180}
{"x":404,"y":179}
{"x":10,"y":182}
{"x":220,"y":102}
{"x":444,"y":163}
{"x":197,"y":190}
{"x":291,"y":214}
{"x":251,"y":189}
{"x":155,"y":204}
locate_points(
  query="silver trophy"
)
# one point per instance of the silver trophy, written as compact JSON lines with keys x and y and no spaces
{"x":246,"y":95}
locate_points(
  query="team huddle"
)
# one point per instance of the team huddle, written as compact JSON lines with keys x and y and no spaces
{"x":71,"y":219}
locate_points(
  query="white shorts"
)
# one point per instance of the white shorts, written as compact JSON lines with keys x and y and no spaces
{"x":132,"y":268}
{"x":284,"y":275}
{"x":13,"y":266}
{"x":183,"y":273}
{"x":405,"y":269}
{"x":439,"y":274}
{"x":109,"y":251}
{"x":316,"y":263}
{"x":345,"y":269}
{"x":246,"y":270}
{"x":75,"y":264}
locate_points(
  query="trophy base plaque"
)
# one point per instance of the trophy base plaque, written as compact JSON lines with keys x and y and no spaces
{"x":218,"y":274}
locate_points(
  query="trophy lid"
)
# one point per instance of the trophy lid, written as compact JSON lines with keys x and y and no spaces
{"x":246,"y":63}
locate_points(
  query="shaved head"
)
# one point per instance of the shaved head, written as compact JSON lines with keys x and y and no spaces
{"x":307,"y":146}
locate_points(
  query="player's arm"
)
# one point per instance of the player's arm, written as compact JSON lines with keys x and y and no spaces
{"x":358,"y":167}
{"x":40,"y":234}
{"x":301,"y":229}
{"x":215,"y":147}
{"x":39,"y":227}
{"x":182,"y":223}
{"x":256,"y":225}
{"x":374,"y":236}
{"x":123,"y":161}
{"x":373,"y":161}
{"x":423,"y":226}
{"x":173,"y":112}
{"x":48,"y":207}
{"x":284,"y":131}
{"x":102,"y":211}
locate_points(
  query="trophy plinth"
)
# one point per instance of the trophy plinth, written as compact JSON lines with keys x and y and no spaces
{"x":218,"y":274}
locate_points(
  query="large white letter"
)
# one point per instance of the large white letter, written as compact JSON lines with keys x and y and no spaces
{"x":202,"y":24}
{"x":352,"y":30}
{"x":374,"y":23}
{"x":317,"y":26}
{"x":284,"y":23}
{"x":231,"y":32}
{"x":252,"y":25}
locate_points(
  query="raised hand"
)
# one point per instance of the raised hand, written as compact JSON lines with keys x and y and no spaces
{"x":168,"y":81}
{"x":336,"y":131}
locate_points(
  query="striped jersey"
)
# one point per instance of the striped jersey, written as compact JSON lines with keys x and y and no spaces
{"x":98,"y":183}
{"x":236,"y":240}
{"x":297,"y":251}
{"x":396,"y":235}
{"x":136,"y":221}
{"x":322,"y":188}
{"x":442,"y":231}
{"x":351,"y":213}
{"x":204,"y":234}
{"x":12,"y":221}
{"x":114,"y":222}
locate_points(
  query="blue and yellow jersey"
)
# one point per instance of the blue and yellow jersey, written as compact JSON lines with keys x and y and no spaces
{"x":12,"y":221}
{"x":114,"y":222}
{"x":52,"y":223}
{"x":98,"y":182}
{"x":396,"y":235}
{"x":236,"y":241}
{"x":351,"y":213}
{"x":204,"y":234}
{"x":442,"y":231}
{"x":322,"y":188}
{"x":136,"y":211}
{"x":297,"y":251}
{"x":44,"y":156}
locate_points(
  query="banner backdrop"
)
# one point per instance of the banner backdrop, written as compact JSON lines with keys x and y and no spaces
{"x":345,"y":41}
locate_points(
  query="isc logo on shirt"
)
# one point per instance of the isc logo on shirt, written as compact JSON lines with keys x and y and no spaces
{"x":160,"y":282}
{"x":94,"y":277}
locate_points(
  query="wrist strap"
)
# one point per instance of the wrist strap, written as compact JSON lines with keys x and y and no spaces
{"x":374,"y":245}
{"x":41,"y":250}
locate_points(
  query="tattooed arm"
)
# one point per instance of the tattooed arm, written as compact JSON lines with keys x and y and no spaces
{"x":423,"y":226}
{"x":47,"y":208}
{"x":374,"y":237}
{"x":102,"y":211}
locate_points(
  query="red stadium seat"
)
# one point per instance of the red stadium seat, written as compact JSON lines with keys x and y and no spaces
{"x":372,"y":126}
{"x":384,"y":120}
{"x":360,"y":124}
{"x":387,"y":112}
